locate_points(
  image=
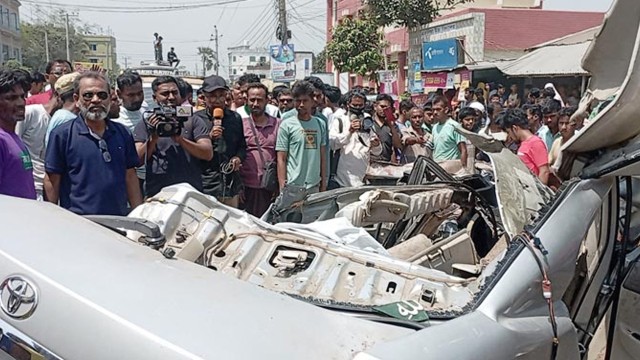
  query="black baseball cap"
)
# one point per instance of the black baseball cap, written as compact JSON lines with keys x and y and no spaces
{"x":213,"y":83}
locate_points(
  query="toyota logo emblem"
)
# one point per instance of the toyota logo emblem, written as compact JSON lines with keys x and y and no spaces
{"x":18,"y":297}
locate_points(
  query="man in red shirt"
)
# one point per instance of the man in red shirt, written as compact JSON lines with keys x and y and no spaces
{"x":55,"y":69}
{"x":532,"y":150}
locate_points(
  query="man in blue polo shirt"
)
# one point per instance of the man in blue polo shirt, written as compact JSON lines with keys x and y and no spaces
{"x":91,"y":161}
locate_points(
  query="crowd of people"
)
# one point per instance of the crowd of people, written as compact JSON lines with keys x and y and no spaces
{"x":98,"y":148}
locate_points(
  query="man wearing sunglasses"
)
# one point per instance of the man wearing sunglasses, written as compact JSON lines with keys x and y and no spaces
{"x":55,"y":69}
{"x":91,"y":160}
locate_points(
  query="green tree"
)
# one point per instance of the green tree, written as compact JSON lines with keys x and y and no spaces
{"x":15,"y":65}
{"x":34,"y":53}
{"x":407,"y":13}
{"x":320,"y":62}
{"x":208,"y":58}
{"x":356,"y":46}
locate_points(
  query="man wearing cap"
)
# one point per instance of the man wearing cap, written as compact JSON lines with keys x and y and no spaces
{"x":220,"y":176}
{"x":171,"y":160}
{"x":33,"y":130}
{"x":68,"y":110}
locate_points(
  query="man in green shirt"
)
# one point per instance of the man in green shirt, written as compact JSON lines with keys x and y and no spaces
{"x":448,"y":143}
{"x":301,"y":144}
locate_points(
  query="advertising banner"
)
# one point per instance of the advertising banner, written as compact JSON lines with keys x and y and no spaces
{"x":388,"y":82}
{"x":417,"y":86}
{"x":441,"y":54}
{"x":434,"y":80}
{"x":283,"y":66}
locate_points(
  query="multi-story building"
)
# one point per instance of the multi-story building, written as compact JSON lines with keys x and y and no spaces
{"x":398,"y":38}
{"x":102,"y":51}
{"x":246,"y":60}
{"x":10,"y":42}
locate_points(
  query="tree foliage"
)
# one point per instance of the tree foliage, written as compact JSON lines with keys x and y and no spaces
{"x":33,"y":41}
{"x":407,"y":13}
{"x":15,"y":65}
{"x":320,"y":62}
{"x":356,"y":46}
{"x":208,"y":57}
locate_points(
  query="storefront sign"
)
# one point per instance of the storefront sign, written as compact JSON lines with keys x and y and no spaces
{"x":434,"y":80}
{"x":441,"y":54}
{"x":416,"y":84}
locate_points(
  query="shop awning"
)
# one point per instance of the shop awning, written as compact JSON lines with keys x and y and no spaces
{"x":549,"y":61}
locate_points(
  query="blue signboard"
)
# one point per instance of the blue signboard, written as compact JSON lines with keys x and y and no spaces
{"x":416,"y":81}
{"x":441,"y":54}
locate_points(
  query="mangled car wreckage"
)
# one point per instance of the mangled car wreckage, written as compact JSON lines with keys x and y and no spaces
{"x":439,"y":268}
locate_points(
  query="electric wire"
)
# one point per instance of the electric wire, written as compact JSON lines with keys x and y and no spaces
{"x":133,"y":9}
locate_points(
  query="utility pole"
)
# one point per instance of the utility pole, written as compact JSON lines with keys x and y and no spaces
{"x":282,"y":14}
{"x":126,"y":62}
{"x":204,"y":65}
{"x":215,"y":32}
{"x":67,"y":34}
{"x":46,"y":44}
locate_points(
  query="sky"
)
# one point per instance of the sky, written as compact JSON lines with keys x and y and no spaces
{"x":238,"y":22}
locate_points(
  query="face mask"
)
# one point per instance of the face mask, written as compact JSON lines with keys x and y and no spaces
{"x":356,"y":110}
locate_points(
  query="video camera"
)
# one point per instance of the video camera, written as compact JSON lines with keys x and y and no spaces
{"x":171,"y":119}
{"x":366,"y":122}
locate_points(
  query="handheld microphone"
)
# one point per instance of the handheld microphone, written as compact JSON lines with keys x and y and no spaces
{"x":218,"y":114}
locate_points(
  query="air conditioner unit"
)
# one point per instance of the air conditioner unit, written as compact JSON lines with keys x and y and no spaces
{"x":345,"y":12}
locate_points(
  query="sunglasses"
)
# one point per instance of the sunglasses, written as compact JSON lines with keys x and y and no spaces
{"x":102,"y":95}
{"x":106,"y":156}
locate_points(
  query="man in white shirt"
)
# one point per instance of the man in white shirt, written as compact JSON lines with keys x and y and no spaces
{"x":332,"y":96}
{"x":131,"y":112}
{"x":351,"y":135}
{"x":244,"y":111}
{"x":131,"y":93}
{"x":33,"y":130}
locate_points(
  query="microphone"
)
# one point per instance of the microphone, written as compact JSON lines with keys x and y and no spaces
{"x":220,"y":146}
{"x":218,"y":114}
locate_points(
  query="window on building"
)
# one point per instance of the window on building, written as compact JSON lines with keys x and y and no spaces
{"x":93,"y":47}
{"x":263,"y":59}
{"x":5,"y":52}
{"x":252,"y":58}
{"x":262,"y":76}
{"x":235,"y":72}
{"x":93,"y":61}
{"x":1,"y":15}
{"x":16,"y":22}
{"x":16,"y":54}
{"x":234,"y":59}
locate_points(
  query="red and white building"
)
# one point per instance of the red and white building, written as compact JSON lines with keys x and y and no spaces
{"x":490,"y":30}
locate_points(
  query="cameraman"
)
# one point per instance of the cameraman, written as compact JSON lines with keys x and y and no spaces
{"x":220,"y":175}
{"x":352,"y":136}
{"x":175,"y":159}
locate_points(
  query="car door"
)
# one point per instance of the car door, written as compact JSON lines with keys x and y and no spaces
{"x":626,"y":340}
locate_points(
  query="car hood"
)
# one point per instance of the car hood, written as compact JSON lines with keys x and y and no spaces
{"x":144,"y":306}
{"x":520,"y":194}
{"x":612,"y":59}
